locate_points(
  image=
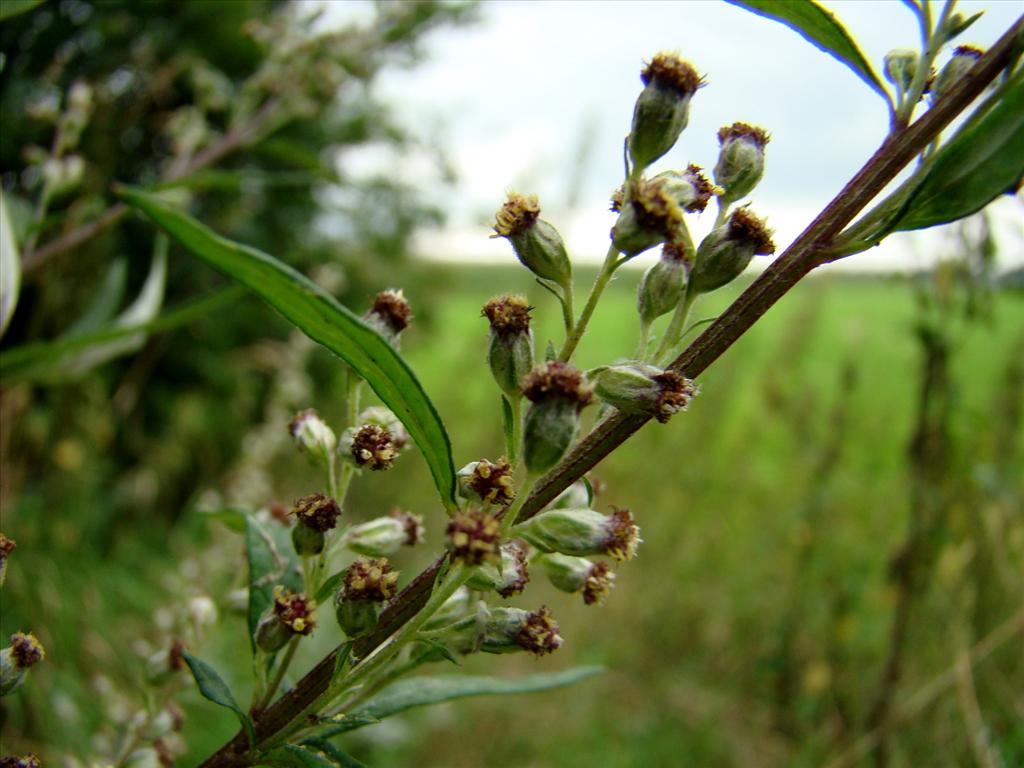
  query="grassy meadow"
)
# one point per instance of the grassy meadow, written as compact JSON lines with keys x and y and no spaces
{"x":753,"y":627}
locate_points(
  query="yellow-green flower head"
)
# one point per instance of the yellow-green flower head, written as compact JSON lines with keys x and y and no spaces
{"x":474,"y":537}
{"x":487,"y":482}
{"x":294,"y":610}
{"x":370,"y":580}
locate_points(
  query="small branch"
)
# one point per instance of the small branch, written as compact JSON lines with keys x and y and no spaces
{"x":232,"y":140}
{"x":799,"y":259}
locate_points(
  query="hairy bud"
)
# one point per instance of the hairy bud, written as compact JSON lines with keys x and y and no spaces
{"x":577,"y":574}
{"x":964,"y":57}
{"x":651,"y":210}
{"x":367,"y":584}
{"x":290,"y":614}
{"x":313,"y":436}
{"x":663,"y":108}
{"x":505,"y":630}
{"x":385,"y":535}
{"x":24,"y":652}
{"x":583,"y":532}
{"x":486,"y":482}
{"x":316,"y":514}
{"x":389,"y":315}
{"x":557,"y":392}
{"x":508,"y":580}
{"x":645,"y":389}
{"x":740,"y":163}
{"x":900,"y":67}
{"x":510,"y":343}
{"x":727,"y":250}
{"x":536,"y":243}
{"x":662,"y":286}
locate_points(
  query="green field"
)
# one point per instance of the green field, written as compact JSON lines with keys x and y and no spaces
{"x":752,"y":628}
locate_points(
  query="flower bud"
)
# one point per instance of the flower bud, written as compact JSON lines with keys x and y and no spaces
{"x":505,"y":630}
{"x":291,"y":614}
{"x":583,"y":532}
{"x":740,"y":159}
{"x":508,"y":580}
{"x":557,"y":393}
{"x":316,"y":514}
{"x":663,"y":285}
{"x":6,"y":547}
{"x":474,"y":537}
{"x":964,"y":57}
{"x":455,"y":608}
{"x":313,"y":436}
{"x":367,"y":584}
{"x":577,"y":574}
{"x":651,"y":210}
{"x":25,"y":761}
{"x":202,"y":612}
{"x":24,"y":652}
{"x":389,"y":315}
{"x":385,"y":535}
{"x":162,"y":665}
{"x":644,"y":389}
{"x":727,"y":250}
{"x":488,"y":483}
{"x":900,"y":67}
{"x":536,"y":243}
{"x":510,"y":343}
{"x":663,"y":108}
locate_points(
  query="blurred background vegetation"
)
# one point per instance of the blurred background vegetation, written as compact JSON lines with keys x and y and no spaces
{"x":834,"y":548}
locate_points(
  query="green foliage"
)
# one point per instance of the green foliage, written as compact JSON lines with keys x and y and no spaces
{"x":216,"y":690}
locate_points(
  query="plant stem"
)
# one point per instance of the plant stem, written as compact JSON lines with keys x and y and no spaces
{"x":566,"y":301}
{"x":806,"y":252}
{"x":282,"y":667}
{"x":515,"y":405}
{"x":932,"y":41}
{"x":674,"y":332}
{"x":611,"y":263}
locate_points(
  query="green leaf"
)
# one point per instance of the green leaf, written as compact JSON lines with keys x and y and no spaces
{"x":295,"y":756}
{"x":984,"y":160}
{"x":272,"y":561}
{"x":324,"y":320}
{"x":820,"y":27}
{"x":10,"y":267}
{"x":11,"y":8}
{"x":213,"y":687}
{"x":420,"y":691}
{"x":340,"y":724}
{"x":329,"y":587}
{"x":235,"y":518}
{"x":107,"y":299}
{"x":962,"y":27}
{"x":340,"y":659}
{"x":45,"y":360}
{"x":341,"y":759}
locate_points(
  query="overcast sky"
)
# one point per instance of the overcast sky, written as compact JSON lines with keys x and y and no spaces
{"x":538,"y":96}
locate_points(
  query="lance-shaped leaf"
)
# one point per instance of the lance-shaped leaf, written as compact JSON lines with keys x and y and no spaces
{"x":213,"y":687}
{"x":310,"y":754}
{"x":820,"y":27}
{"x":10,"y":267}
{"x":420,"y":691}
{"x":982,"y":161}
{"x":321,"y":317}
{"x":272,"y":561}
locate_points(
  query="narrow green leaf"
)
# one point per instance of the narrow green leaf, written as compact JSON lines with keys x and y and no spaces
{"x":41,"y":361}
{"x":11,"y":8}
{"x":420,"y":691}
{"x":294,"y":756}
{"x":340,"y":659}
{"x":10,"y":267}
{"x":820,"y":27}
{"x":324,"y":320}
{"x":213,"y":687}
{"x":962,"y":27}
{"x":272,"y":561}
{"x":984,"y":160}
{"x":107,"y":298}
{"x":340,"y":724}
{"x":329,"y":587}
{"x":341,"y":758}
{"x":234,"y":518}
{"x":508,"y":422}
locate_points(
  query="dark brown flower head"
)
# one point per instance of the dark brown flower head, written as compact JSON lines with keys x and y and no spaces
{"x":751,"y":133}
{"x":317,"y":511}
{"x":26,"y":649}
{"x":392,"y":309}
{"x":557,"y":380}
{"x":518,"y":214}
{"x":25,"y":761}
{"x":492,"y":483}
{"x":373,"y":448}
{"x":702,"y":186}
{"x":654,"y":207}
{"x":617,"y":199}
{"x":6,"y":546}
{"x":474,"y":537}
{"x":370,"y":580}
{"x":294,"y":610}
{"x":175,"y":659}
{"x":745,"y":227}
{"x":623,"y":536}
{"x":972,"y":51}
{"x":539,"y":635}
{"x":676,"y":392}
{"x":666,"y":70}
{"x":516,"y":581}
{"x":508,"y":315}
{"x":413,"y":525}
{"x":599,"y":584}
{"x":676,"y":252}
